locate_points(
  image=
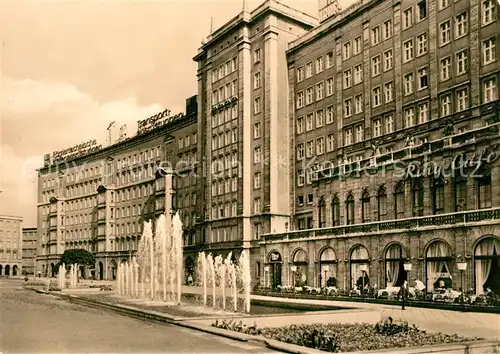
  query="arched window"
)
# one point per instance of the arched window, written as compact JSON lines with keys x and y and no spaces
{"x":349,"y":207}
{"x":328,"y":268}
{"x":359,"y":267}
{"x":399,"y":201}
{"x":484,"y":191}
{"x":300,"y":261}
{"x":322,"y":212}
{"x":335,"y":212}
{"x":395,"y":273}
{"x":438,"y":260}
{"x":438,"y":195}
{"x":460,"y":193}
{"x":365,"y":207}
{"x":382,"y":204}
{"x":487,"y":265}
{"x":418,"y":199}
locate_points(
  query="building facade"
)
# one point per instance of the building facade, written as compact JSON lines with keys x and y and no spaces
{"x":394,"y":148}
{"x":11,"y":245}
{"x":99,"y":200}
{"x":242,"y":127}
{"x":30,"y":239}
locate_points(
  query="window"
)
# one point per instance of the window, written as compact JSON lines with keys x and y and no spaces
{"x":348,"y":107}
{"x":422,"y":44}
{"x":409,"y":117}
{"x":300,"y":125}
{"x":488,"y":14}
{"x":350,"y":209}
{"x":460,"y":193}
{"x":329,"y":86}
{"x":300,"y":151}
{"x":234,"y":112}
{"x":234,"y":88}
{"x":335,"y":212}
{"x":422,"y":10}
{"x":399,"y":201}
{"x":358,"y":104}
{"x":375,"y":35}
{"x":347,"y":50}
{"x":377,"y":128}
{"x":256,"y":55}
{"x":256,"y":105}
{"x":445,"y":65}
{"x":358,"y":74}
{"x":348,"y":136}
{"x":484,"y":192}
{"x":347,"y":78}
{"x":256,"y":130}
{"x":382,"y":204}
{"x":256,"y":180}
{"x":407,"y":18}
{"x":408,"y":84}
{"x":489,"y":48}
{"x":329,"y":115}
{"x":462,"y":62}
{"x":423,"y":112}
{"x":445,"y":105}
{"x":437,"y":196}
{"x":389,"y":124}
{"x":443,"y":3}
{"x":320,"y":90}
{"x":461,"y":25}
{"x":300,"y":74}
{"x":408,"y":50}
{"x":418,"y":199}
{"x":388,"y":92}
{"x":490,"y":90}
{"x":257,"y":154}
{"x":422,"y":79}
{"x":301,"y":178}
{"x":376,"y":65}
{"x":388,"y":60}
{"x":309,"y":70}
{"x":322,"y":212}
{"x":256,"y":80}
{"x":309,"y":122}
{"x":309,"y":95}
{"x":329,"y":60}
{"x":310,"y":148}
{"x":358,"y":45}
{"x":462,"y":100}
{"x":387,"y":29}
{"x":300,"y":99}
{"x":320,"y":146}
{"x":257,"y":209}
{"x":319,"y":65}
{"x":233,"y":64}
{"x":330,"y":143}
{"x":376,"y":97}
{"x":320,"y":118}
{"x":359,"y":133}
{"x":445,"y":33}
{"x":365,"y":207}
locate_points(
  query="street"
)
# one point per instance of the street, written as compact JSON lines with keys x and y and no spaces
{"x":32,"y":322}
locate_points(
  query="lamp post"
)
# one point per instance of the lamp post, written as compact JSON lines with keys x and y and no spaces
{"x":363,"y":268}
{"x":266,"y":273}
{"x":326,"y":269}
{"x":462,"y":266}
{"x":293,"y":269}
{"x":407,"y":267}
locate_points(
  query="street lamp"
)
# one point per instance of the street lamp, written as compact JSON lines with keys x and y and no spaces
{"x":326,"y":269}
{"x":407,"y":267}
{"x":462,"y":266}
{"x":363,"y":268}
{"x":266,"y":273}
{"x":293,"y":269}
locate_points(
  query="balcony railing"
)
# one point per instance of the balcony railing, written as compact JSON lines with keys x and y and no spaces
{"x":459,"y":218}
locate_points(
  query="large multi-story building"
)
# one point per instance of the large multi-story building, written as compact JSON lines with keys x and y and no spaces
{"x":242,"y":126}
{"x":376,"y":92}
{"x":30,"y":240}
{"x":11,"y":245}
{"x":97,"y":199}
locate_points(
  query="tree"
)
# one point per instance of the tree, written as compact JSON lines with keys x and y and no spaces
{"x":80,"y":256}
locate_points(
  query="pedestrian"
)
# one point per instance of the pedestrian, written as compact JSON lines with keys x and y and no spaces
{"x":403,"y":293}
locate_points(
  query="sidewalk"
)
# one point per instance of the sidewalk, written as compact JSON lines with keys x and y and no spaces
{"x":483,"y":325}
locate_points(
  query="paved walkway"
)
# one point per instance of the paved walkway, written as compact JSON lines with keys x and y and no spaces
{"x":471,"y":324}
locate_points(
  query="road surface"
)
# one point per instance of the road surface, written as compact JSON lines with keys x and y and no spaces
{"x":38,"y":323}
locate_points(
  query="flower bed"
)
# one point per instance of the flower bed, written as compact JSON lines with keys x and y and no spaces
{"x":337,"y":337}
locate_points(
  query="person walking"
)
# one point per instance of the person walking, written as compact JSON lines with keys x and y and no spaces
{"x":403,"y":293}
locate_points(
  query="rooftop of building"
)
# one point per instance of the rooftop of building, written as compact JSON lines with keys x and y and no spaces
{"x":29,"y":229}
{"x":246,"y":16}
{"x":11,"y":217}
{"x":331,"y":23}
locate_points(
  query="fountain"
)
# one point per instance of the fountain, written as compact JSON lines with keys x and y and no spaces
{"x":156,"y":273}
{"x":61,"y":277}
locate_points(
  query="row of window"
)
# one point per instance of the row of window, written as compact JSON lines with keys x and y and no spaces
{"x":224,"y":116}
{"x":187,"y":141}
{"x":224,"y":163}
{"x":224,"y":186}
{"x":225,"y":92}
{"x":225,"y":210}
{"x":316,"y":119}
{"x":224,"y":234}
{"x":229,"y":67}
{"x":316,"y":147}
{"x":224,"y":139}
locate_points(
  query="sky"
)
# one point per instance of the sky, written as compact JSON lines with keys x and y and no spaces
{"x":68,"y":68}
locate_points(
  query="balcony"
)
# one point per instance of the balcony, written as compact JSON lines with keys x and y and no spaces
{"x":434,"y":221}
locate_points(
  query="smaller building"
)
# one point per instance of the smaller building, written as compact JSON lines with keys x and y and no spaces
{"x":11,"y":239}
{"x":29,"y":250}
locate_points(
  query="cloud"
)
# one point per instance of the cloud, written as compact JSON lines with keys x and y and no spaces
{"x":40,"y":116}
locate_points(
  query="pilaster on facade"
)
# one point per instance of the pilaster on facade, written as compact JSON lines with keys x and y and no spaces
{"x":398,"y":89}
